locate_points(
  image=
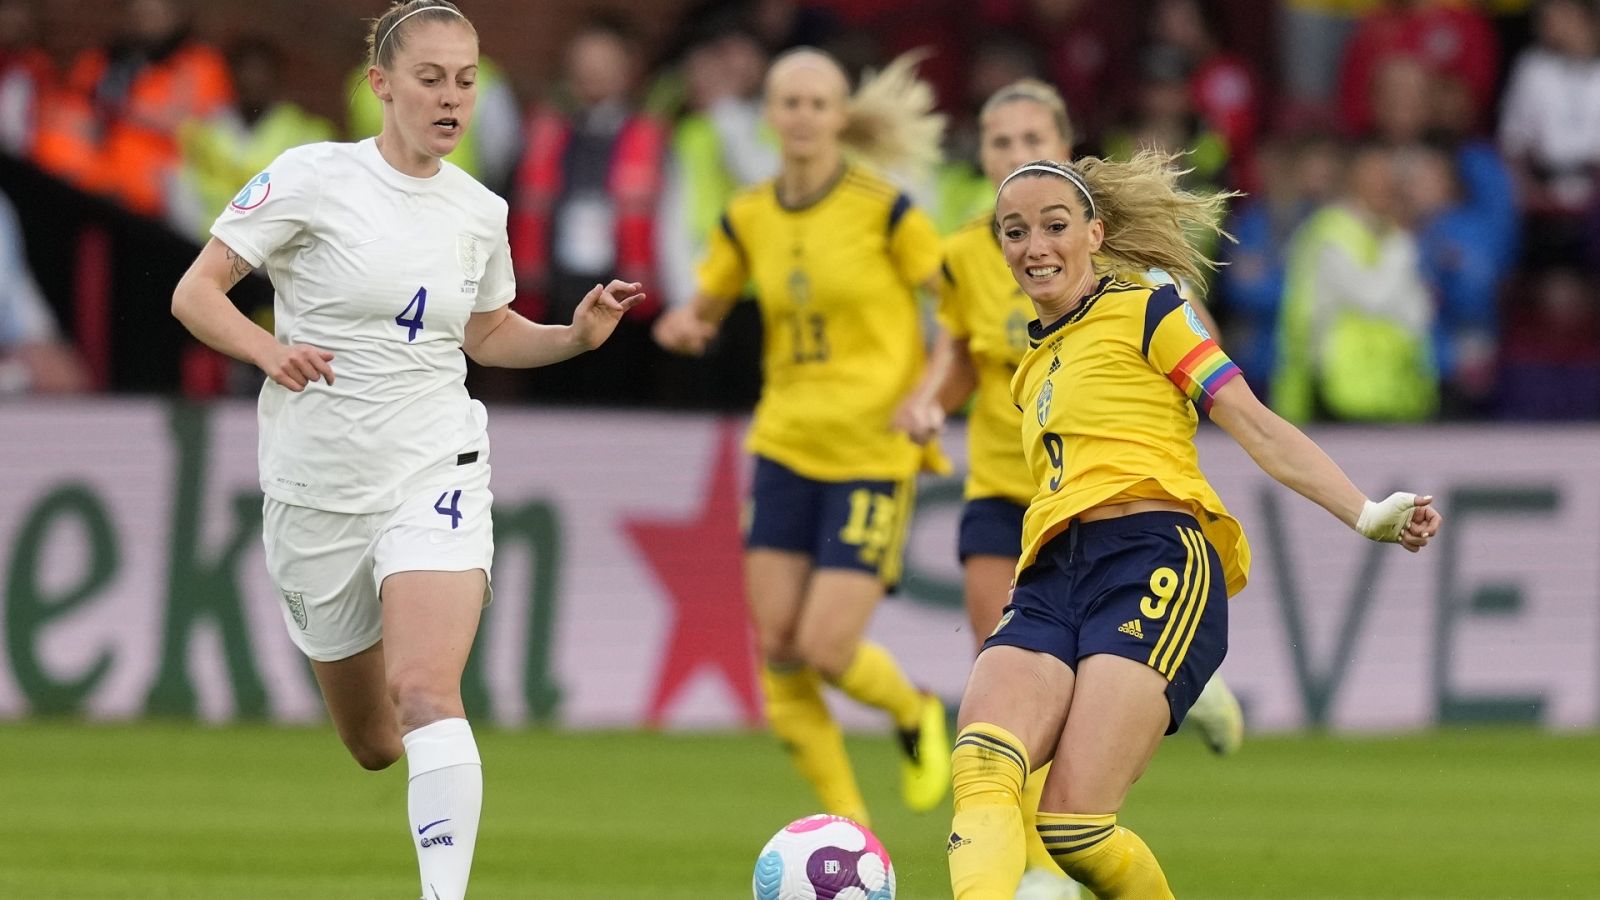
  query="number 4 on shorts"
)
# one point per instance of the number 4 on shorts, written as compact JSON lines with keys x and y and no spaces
{"x":453,"y":510}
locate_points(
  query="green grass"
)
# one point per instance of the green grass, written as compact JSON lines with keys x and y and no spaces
{"x":239,"y":813}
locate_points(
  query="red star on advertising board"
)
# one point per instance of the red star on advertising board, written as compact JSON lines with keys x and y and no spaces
{"x":700,"y":563}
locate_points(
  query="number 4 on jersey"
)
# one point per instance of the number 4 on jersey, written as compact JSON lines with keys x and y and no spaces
{"x":419,"y":302}
{"x":453,"y":510}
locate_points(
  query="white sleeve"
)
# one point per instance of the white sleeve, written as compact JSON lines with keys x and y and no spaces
{"x":499,"y":284}
{"x":273,"y":208}
{"x":675,"y":250}
{"x":498,"y":127}
{"x":25,"y":317}
{"x":1518,"y":120}
{"x":1392,"y":288}
{"x":746,"y":154}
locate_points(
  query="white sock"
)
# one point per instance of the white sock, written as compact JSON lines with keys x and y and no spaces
{"x":444,"y":800}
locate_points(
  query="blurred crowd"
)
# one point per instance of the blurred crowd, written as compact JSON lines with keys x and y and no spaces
{"x":1418,"y":233}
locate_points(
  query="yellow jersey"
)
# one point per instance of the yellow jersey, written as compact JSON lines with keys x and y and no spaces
{"x":980,"y":302}
{"x":836,"y":284}
{"x":1108,"y":395}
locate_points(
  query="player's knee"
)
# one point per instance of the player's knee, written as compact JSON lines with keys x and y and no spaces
{"x":375,"y":756}
{"x":777,"y":646}
{"x":374,"y":744}
{"x":420,"y":699}
{"x":826,"y":652}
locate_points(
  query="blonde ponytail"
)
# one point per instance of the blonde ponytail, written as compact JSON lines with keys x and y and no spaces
{"x":1151,"y":222}
{"x":891,"y":123}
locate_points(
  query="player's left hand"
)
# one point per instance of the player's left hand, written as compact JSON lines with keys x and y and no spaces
{"x":1401,"y":518}
{"x":919,"y":418}
{"x":597,"y":316}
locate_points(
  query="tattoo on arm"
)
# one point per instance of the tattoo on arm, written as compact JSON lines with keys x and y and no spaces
{"x":238,"y":268}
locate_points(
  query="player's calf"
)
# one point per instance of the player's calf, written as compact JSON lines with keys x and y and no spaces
{"x":1111,"y":861}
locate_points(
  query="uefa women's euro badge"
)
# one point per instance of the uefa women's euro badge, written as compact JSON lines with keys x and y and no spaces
{"x":469,"y":253}
{"x":252,"y":194}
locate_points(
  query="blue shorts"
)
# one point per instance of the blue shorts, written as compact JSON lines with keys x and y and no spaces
{"x":857,"y":525}
{"x":1146,"y":587}
{"x":991,"y":526}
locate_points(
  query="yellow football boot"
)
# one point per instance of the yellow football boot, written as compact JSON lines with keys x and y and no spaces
{"x":925,"y":766}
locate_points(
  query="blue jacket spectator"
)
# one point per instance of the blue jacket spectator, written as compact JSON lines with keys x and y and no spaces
{"x":1466,"y":250}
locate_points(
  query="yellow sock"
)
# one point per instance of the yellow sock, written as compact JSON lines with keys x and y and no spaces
{"x":988,"y":767}
{"x":801,"y":720}
{"x":874,"y":678}
{"x":1104,"y":857}
{"x":1038,"y":856}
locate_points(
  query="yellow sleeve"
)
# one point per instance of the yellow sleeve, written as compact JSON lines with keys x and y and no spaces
{"x":725,"y":270}
{"x":952,"y":311}
{"x":913,"y":243}
{"x":1181,"y":349}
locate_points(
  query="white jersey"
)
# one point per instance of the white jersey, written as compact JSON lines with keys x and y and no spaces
{"x":382,"y":270}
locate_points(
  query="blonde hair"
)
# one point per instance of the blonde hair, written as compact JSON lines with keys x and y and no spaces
{"x":889,"y":119}
{"x":891,"y":123}
{"x":1150,"y":222}
{"x":1036,"y":91}
{"x":387,"y":35}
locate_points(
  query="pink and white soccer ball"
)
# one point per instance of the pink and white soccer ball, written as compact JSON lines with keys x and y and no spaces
{"x":824,"y":858}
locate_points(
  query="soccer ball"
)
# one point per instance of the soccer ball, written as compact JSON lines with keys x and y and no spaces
{"x":824,"y":858}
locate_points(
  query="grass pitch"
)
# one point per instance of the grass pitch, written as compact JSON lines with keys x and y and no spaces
{"x":249,"y":813}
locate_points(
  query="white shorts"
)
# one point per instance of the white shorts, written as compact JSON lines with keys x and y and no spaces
{"x":329,"y":567}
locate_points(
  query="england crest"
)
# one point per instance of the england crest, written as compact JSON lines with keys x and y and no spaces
{"x":470,"y":255}
{"x":297,"y":607}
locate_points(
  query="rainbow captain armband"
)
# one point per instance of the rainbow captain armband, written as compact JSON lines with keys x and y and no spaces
{"x":1203,"y":372}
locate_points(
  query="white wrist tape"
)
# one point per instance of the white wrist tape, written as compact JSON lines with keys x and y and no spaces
{"x":1384,"y":520}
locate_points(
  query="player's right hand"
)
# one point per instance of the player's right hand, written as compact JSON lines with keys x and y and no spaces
{"x":296,"y":366}
{"x":681,"y":331}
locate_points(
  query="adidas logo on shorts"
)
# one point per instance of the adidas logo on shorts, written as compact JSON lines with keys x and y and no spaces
{"x":1133,"y":627}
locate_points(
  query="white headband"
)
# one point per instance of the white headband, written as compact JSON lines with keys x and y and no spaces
{"x":1060,"y":172}
{"x":378,"y":54}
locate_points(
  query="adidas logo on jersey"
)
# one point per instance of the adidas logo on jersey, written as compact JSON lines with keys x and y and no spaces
{"x":1133,"y":627}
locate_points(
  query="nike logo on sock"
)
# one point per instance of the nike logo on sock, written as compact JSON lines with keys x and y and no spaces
{"x":423,"y":829}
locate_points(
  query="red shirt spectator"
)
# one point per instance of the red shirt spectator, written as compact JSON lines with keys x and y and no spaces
{"x":1447,"y":36}
{"x":584,"y":203}
{"x":631,"y":181}
{"x":1222,"y":88}
{"x":1225,"y":96}
{"x":1089,"y":52}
